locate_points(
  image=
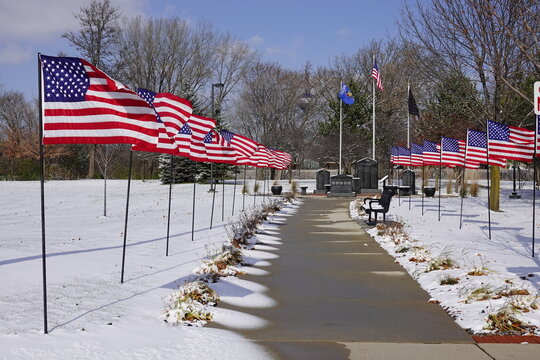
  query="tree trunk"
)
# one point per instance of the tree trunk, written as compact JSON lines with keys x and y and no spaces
{"x":91,"y":161}
{"x":495,"y":185}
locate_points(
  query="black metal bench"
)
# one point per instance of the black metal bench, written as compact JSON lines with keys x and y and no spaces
{"x":378,"y":205}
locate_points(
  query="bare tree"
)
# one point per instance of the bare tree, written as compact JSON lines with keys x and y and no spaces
{"x":96,"y":42}
{"x":106,"y":154}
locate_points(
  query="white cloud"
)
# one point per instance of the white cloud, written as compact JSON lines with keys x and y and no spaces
{"x":343,"y":32}
{"x":255,"y":40}
{"x":38,"y":20}
{"x":13,"y":54}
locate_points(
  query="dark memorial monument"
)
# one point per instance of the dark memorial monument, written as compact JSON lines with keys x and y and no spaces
{"x":341,"y":185}
{"x":323,"y":178}
{"x":367,"y":171}
{"x":407,"y":183}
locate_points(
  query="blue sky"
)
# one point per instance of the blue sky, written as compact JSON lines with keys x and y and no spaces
{"x":286,"y":31}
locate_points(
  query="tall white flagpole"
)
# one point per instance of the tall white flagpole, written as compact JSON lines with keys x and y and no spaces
{"x":408,"y":115}
{"x":373,"y":140}
{"x":340,"y":124}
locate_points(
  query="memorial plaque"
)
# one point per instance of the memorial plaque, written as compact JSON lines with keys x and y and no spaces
{"x":341,"y":185}
{"x":408,"y":179}
{"x":323,"y":178}
{"x":367,"y":170}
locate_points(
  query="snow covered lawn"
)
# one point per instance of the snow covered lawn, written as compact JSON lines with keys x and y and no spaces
{"x":90,"y":314}
{"x":470,"y":275}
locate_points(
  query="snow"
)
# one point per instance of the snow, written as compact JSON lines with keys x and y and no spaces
{"x":506,"y":256}
{"x":90,"y":314}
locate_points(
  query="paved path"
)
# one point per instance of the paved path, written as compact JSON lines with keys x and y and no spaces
{"x":341,"y":296}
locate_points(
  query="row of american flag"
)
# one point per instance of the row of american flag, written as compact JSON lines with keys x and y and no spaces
{"x":82,"y":105}
{"x":500,"y":143}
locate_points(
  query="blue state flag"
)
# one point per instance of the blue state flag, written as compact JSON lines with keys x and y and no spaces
{"x":345,"y":95}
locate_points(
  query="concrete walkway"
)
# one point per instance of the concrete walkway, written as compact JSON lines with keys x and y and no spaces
{"x":341,"y":296}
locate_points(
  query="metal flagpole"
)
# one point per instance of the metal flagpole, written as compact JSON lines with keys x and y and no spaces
{"x":373,"y":138}
{"x":42,"y":185}
{"x":534,"y":196}
{"x":254,"y":188}
{"x":223,"y":196}
{"x":408,"y":115}
{"x":213,"y":193}
{"x":127,"y":213}
{"x":264,"y":184}
{"x":170,"y":197}
{"x":488,"y":168}
{"x":423,"y":176}
{"x":340,"y":125}
{"x":193,"y":207}
{"x":234,"y":189}
{"x":244,"y":188}
{"x":440,"y":179}
{"x":463,"y":183}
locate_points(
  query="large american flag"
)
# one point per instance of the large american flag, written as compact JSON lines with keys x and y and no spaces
{"x":377,"y":75}
{"x":404,"y":156}
{"x":476,"y":151}
{"x":260,"y":157}
{"x":537,"y":135}
{"x":172,"y":110}
{"x":82,"y":105}
{"x":452,"y":152}
{"x":431,"y":153}
{"x":393,"y":155}
{"x":281,"y":159}
{"x":417,"y":158}
{"x":243,"y":146}
{"x":510,"y":142}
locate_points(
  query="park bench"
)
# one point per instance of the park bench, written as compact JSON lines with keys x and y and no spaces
{"x":378,"y":205}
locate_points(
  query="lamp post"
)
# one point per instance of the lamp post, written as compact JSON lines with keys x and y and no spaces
{"x":218,"y":85}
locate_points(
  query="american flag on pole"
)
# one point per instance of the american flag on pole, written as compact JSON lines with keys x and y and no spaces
{"x":404,"y":156}
{"x":537,"y":135}
{"x":243,"y":146}
{"x":280,"y":159}
{"x":417,"y":158}
{"x":431,"y":153}
{"x":392,"y":155}
{"x":217,"y":148}
{"x":510,"y":142}
{"x":190,"y":137}
{"x":476,"y":151}
{"x":172,"y":110}
{"x":82,"y":105}
{"x":376,"y":75}
{"x":452,"y":152}
{"x":260,"y":157}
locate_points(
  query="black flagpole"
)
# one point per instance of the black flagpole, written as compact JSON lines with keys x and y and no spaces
{"x":488,"y":168}
{"x":127,"y":213}
{"x":234,"y":189}
{"x":213,"y":193}
{"x":534,"y":187}
{"x":440,"y":180}
{"x":223,"y":197}
{"x":254,"y":187}
{"x":423,"y":175}
{"x":264,"y":184}
{"x":193,"y":207}
{"x":399,"y":185}
{"x":42,"y":171}
{"x":463,"y":184}
{"x":410,"y":191}
{"x":169,"y":213}
{"x":244,"y":189}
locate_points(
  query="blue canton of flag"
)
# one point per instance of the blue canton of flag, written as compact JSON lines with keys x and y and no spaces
{"x":186,"y":130}
{"x":64,"y":80}
{"x":498,"y":131}
{"x":449,"y":144}
{"x":149,"y":97}
{"x":345,"y":95}
{"x":477,"y":139}
{"x":208,"y":138}
{"x":227,"y":135}
{"x":416,"y":149}
{"x":430,"y":146}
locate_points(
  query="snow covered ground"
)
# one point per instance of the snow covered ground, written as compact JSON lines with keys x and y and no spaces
{"x":506,"y":259}
{"x":90,"y":314}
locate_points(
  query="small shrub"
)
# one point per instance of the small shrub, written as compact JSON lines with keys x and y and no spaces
{"x":506,"y":292}
{"x":473,"y":188}
{"x":463,"y":190}
{"x":449,"y":186}
{"x":221,"y":264}
{"x":187,"y":304}
{"x":256,"y":187}
{"x":402,"y":249}
{"x":478,"y":271}
{"x":394,"y":230}
{"x":504,"y":321}
{"x":294,"y":187}
{"x":479,"y":294}
{"x":449,"y":280}
{"x":441,"y":262}
{"x":245,"y":190}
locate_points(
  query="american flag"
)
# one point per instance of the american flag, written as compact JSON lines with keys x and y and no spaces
{"x":404,"y":156}
{"x":217,"y":148}
{"x":260,"y":157}
{"x":510,"y":142}
{"x":82,"y":105}
{"x":172,"y":110}
{"x":282,"y":159}
{"x":165,"y":144}
{"x":377,"y":75}
{"x":392,"y":155}
{"x":452,"y":152}
{"x":417,"y":158}
{"x":190,"y":137}
{"x":476,"y":151}
{"x":431,"y":153}
{"x":243,"y":146}
{"x":537,"y":135}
